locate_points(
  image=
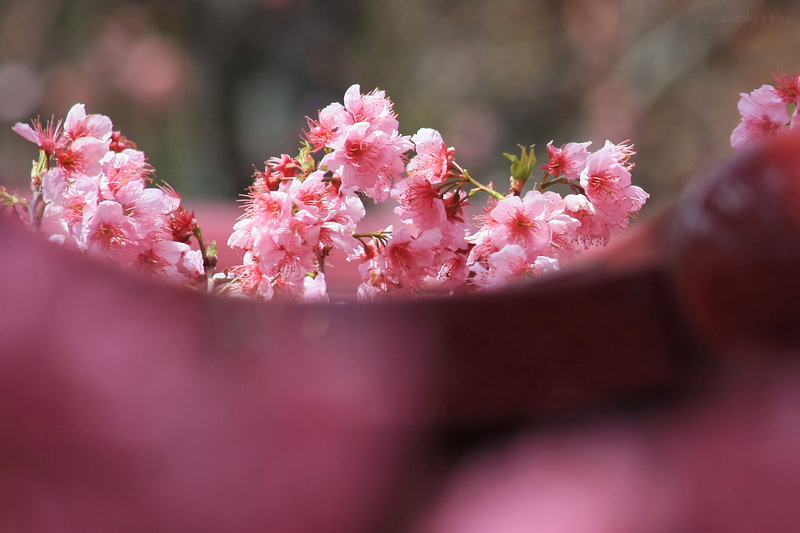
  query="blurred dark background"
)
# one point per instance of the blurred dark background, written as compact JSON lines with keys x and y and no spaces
{"x":209,"y":88}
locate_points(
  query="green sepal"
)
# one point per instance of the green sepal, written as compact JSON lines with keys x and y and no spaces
{"x":522,"y":167}
{"x":211,"y":249}
{"x":305,"y":159}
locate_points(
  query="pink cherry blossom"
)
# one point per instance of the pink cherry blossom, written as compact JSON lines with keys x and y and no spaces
{"x":522,"y":221}
{"x":788,"y":88}
{"x":568,"y":160}
{"x":455,"y":229}
{"x":763,"y":114}
{"x":401,"y":265}
{"x":420,"y":203}
{"x":453,"y":270}
{"x":607,"y":182}
{"x":368,"y":161}
{"x":249,"y":280}
{"x":82,"y":157}
{"x":285,"y":165}
{"x":48,"y":138}
{"x":321,"y":132}
{"x":120,"y":169}
{"x":79,"y":200}
{"x":563,"y":227}
{"x":509,"y":265}
{"x":79,"y":125}
{"x":109,"y":232}
{"x":605,"y":179}
{"x":408,"y":259}
{"x":592,"y":229}
{"x":373,"y":108}
{"x":173,"y":261}
{"x":297,"y":214}
{"x":433,"y":156}
{"x":314,"y":289}
{"x":284,"y":260}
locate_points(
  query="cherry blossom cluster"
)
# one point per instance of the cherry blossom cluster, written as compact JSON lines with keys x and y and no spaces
{"x":768,"y":111}
{"x":299,"y":210}
{"x":90,"y":192}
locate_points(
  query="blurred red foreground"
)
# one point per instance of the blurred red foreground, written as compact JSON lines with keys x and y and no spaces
{"x":655,"y":387}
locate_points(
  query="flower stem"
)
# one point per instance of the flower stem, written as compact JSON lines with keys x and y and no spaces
{"x":576,"y":189}
{"x":465,"y":175}
{"x":209,"y":261}
{"x":37,"y":205}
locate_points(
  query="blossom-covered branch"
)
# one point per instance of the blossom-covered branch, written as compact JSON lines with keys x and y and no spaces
{"x":89,"y":191}
{"x":299,"y":210}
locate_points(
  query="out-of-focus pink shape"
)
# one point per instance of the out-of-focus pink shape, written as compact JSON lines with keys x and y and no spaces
{"x":130,"y":404}
{"x":736,"y":250}
{"x":726,"y":461}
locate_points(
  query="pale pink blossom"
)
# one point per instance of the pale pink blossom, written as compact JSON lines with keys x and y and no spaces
{"x":79,"y":125}
{"x":120,"y":169}
{"x":453,"y":270}
{"x":96,"y":199}
{"x":501,"y":267}
{"x":78,"y":202}
{"x":407,"y":259}
{"x":454,"y":229}
{"x":310,"y":195}
{"x":249,"y":280}
{"x":509,"y":265}
{"x":400,"y":266}
{"x":69,"y":205}
{"x":764,"y":115}
{"x":174,"y":261}
{"x":264,"y":209}
{"x":605,"y":179}
{"x":374,"y":108}
{"x":54,"y":184}
{"x":110,"y":233}
{"x":321,"y":132}
{"x":48,"y":138}
{"x":420,"y":203}
{"x":522,"y":221}
{"x":433,"y":157}
{"x":607,"y":184}
{"x":592,"y":229}
{"x":563,"y":227}
{"x":336,"y":230}
{"x":377,"y":285}
{"x":368,"y":161}
{"x":82,"y":157}
{"x":314,"y":289}
{"x":287,"y":265}
{"x":191,"y":265}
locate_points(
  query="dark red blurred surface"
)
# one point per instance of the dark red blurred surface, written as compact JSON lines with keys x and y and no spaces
{"x":651,"y":388}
